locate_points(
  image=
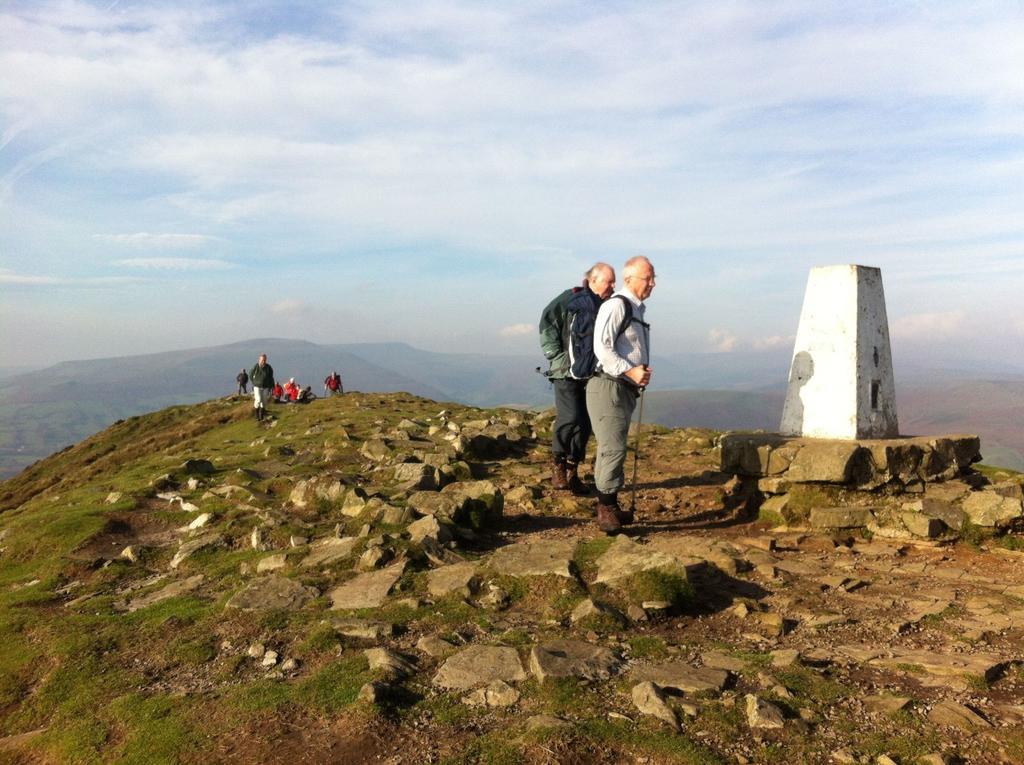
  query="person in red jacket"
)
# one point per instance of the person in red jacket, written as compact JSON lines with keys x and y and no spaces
{"x":291,"y":388}
{"x":332,"y":384}
{"x":278,"y":392}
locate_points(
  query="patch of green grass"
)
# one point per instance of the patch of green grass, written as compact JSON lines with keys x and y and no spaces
{"x":660,"y":584}
{"x":977,"y":683}
{"x":154,"y":728}
{"x":973,"y":536}
{"x":445,"y":710}
{"x":586,"y":554}
{"x":493,"y":748}
{"x":193,"y":652}
{"x":649,"y":738}
{"x":914,"y":669}
{"x":812,"y":686}
{"x":1011,"y":542}
{"x":770,"y":517}
{"x":912,"y":739}
{"x":259,"y":695}
{"x":567,"y":697}
{"x":648,"y":647}
{"x":321,"y":639}
{"x":335,"y":686}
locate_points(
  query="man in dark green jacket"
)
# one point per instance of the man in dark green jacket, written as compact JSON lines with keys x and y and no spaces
{"x":262,"y":377}
{"x":571,"y":429}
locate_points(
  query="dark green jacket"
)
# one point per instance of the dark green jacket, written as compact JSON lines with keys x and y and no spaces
{"x":552,"y":334}
{"x":262,"y":377}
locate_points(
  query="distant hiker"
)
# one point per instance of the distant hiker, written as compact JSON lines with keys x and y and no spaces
{"x":332,"y":384}
{"x":278,"y":393}
{"x":291,"y":389}
{"x":262,"y":376}
{"x":622,"y":347}
{"x":243,"y":380}
{"x":566,"y":337}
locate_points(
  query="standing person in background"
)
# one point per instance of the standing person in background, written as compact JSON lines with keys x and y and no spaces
{"x":242,"y":379}
{"x":622,"y":347}
{"x":332,"y":384}
{"x":262,"y":376}
{"x":570,"y":316}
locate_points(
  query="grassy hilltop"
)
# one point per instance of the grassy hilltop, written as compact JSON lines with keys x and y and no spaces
{"x":192,"y":586}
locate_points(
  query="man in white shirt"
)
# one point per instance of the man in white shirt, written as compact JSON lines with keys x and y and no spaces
{"x":622,"y":347}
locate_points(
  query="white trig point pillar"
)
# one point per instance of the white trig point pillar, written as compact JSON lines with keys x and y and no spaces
{"x":841,"y":381}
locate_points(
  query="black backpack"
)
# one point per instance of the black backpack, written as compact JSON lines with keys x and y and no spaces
{"x":579,"y":332}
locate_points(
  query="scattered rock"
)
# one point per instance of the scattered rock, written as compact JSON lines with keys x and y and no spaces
{"x":589,"y":610}
{"x":391,"y":665}
{"x":763,"y":714}
{"x":429,"y":527}
{"x":272,"y":593}
{"x":572,"y":658}
{"x":198,"y":467}
{"x":172,"y":590}
{"x":374,"y":692}
{"x":496,"y":694}
{"x":886,"y":705}
{"x":954,"y":715}
{"x":649,"y":700}
{"x":459,"y":578}
{"x":479,"y":665}
{"x":534,"y":558}
{"x":681,"y":676}
{"x":541,"y":722}
{"x":328,"y":550}
{"x":272,"y":563}
{"x":990,"y":509}
{"x":367,"y":590}
{"x":362,"y":629}
{"x":840,"y":517}
{"x":192,"y":546}
{"x":434,"y":646}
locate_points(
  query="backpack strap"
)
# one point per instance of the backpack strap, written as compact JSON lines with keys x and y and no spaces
{"x":627,"y":319}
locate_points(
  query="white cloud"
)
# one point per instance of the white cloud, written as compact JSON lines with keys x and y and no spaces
{"x":290,"y":307}
{"x":37,"y":280}
{"x":722,"y":340}
{"x":517,"y":330}
{"x":156,"y":241}
{"x":930,"y":325}
{"x":175,"y":264}
{"x":775,"y":341}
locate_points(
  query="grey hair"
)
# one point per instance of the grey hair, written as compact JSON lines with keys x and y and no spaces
{"x":592,"y":272}
{"x":632,"y":266}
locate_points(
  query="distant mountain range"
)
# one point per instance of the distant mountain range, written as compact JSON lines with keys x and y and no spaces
{"x":50,"y":408}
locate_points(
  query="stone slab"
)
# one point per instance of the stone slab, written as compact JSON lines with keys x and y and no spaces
{"x":172,"y":590}
{"x":459,"y":578}
{"x":683,"y":677}
{"x":572,"y":658}
{"x":367,"y":590}
{"x":272,"y":593}
{"x":480,"y":665}
{"x":626,"y":557}
{"x":329,"y":550}
{"x":534,"y":558}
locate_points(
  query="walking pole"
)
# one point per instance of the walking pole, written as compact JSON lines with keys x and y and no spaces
{"x":636,"y":448}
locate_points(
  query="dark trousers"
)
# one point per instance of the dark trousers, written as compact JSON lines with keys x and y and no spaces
{"x":572,"y":423}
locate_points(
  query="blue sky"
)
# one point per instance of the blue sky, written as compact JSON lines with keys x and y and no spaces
{"x":175,"y":175}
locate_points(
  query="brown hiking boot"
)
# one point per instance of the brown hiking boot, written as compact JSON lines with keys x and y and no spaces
{"x":573,"y":482}
{"x":625,"y":517}
{"x":607,"y":519}
{"x":559,"y":479}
